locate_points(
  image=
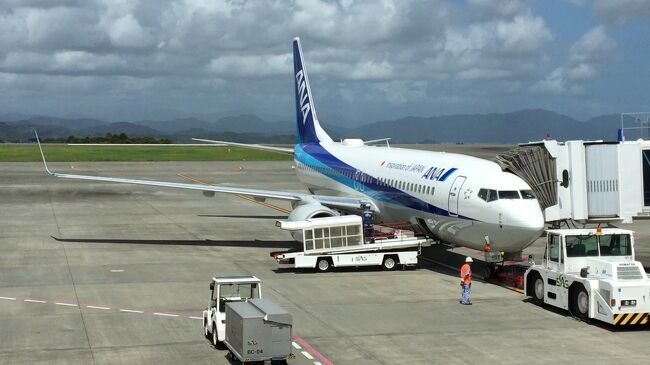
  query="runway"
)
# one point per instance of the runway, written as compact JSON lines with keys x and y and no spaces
{"x":99,"y":273}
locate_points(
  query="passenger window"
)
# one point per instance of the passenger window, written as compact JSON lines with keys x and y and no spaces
{"x":483,"y":194}
{"x":492,"y":195}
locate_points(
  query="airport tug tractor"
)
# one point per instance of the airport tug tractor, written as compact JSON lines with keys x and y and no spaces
{"x":253,"y":329}
{"x":592,"y":273}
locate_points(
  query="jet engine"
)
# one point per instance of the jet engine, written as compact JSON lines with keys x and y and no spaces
{"x":308,"y":211}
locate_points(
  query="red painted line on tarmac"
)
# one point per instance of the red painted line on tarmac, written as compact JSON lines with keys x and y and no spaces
{"x":295,"y":337}
{"x":312,"y":350}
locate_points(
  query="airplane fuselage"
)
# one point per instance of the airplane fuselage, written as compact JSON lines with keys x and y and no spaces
{"x":460,"y":199}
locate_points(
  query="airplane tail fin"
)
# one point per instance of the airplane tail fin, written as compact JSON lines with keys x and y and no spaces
{"x":308,"y":128}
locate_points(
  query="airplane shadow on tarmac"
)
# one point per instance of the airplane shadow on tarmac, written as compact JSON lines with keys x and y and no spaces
{"x":244,"y":216}
{"x":206,"y":243}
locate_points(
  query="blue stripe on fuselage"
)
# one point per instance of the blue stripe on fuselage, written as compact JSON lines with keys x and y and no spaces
{"x":317,"y":157}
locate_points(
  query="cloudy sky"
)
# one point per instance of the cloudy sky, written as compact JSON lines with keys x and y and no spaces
{"x":367,"y":60}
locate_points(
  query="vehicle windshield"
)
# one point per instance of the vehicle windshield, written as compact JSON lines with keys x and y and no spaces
{"x":241,"y":291}
{"x":588,"y":245}
{"x":581,"y":246}
{"x":615,"y":245}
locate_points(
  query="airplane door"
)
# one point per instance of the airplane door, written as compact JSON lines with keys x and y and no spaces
{"x":358,"y":185}
{"x":454,"y":195}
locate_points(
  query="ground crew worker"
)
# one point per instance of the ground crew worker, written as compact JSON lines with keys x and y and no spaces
{"x":368,"y":228}
{"x":466,"y":281}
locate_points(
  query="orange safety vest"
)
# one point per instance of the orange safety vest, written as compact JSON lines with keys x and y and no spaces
{"x":466,"y":274}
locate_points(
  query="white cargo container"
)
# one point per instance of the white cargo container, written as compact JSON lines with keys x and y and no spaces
{"x":339,"y":242}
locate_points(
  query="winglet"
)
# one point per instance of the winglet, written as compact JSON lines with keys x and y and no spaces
{"x":42,"y":155}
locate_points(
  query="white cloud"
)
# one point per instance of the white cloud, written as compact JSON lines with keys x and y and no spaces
{"x":502,"y":7}
{"x":68,"y":62}
{"x":126,"y":31}
{"x":523,"y":34}
{"x":252,"y":66}
{"x":76,"y":61}
{"x":401,"y":92}
{"x":582,"y":71}
{"x":553,"y":83}
{"x":370,"y":70}
{"x":200,"y":51}
{"x":621,"y":11}
{"x":483,"y":74}
{"x":594,"y":46}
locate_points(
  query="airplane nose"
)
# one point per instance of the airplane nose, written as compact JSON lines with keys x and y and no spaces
{"x":532,"y":219}
{"x":528,"y":224}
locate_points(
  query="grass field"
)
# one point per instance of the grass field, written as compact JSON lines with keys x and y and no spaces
{"x":61,"y":153}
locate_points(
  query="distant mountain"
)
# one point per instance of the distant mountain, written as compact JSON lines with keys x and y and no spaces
{"x":175,"y":125}
{"x":514,"y":127}
{"x":519,"y":126}
{"x":22,"y":132}
{"x":130,"y":129}
{"x":245,"y":123}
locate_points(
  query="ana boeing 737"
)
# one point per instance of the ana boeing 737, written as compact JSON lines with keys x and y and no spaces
{"x":458,"y":199}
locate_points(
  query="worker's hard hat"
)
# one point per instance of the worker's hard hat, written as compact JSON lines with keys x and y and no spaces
{"x":468,"y":259}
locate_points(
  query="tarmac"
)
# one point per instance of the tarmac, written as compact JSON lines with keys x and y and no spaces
{"x":101,"y":273}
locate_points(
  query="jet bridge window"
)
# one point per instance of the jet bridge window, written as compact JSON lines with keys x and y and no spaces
{"x":615,"y":245}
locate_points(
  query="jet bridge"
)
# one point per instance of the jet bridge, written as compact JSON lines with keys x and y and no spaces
{"x":585,"y":181}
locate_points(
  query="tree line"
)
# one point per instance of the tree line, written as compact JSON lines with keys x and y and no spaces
{"x":110,"y":138}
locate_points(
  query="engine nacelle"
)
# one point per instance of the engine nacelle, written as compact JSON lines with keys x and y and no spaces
{"x":308,"y":211}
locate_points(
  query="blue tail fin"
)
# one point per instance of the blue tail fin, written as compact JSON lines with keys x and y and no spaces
{"x":309,"y":130}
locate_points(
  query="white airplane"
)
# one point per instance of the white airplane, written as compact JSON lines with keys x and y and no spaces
{"x":456,"y":198}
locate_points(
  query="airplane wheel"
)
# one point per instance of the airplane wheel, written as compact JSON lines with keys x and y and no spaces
{"x":206,"y":333}
{"x":389,"y":263}
{"x":323,"y":264}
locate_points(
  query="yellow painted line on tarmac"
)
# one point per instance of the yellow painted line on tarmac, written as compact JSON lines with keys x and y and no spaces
{"x":246,"y":197}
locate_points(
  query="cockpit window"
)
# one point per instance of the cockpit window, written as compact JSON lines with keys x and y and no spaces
{"x":508,"y":194}
{"x":488,"y":195}
{"x":527,"y":194}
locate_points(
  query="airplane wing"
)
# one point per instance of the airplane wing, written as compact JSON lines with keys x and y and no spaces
{"x":329,"y":201}
{"x":373,"y":141}
{"x":246,"y":145}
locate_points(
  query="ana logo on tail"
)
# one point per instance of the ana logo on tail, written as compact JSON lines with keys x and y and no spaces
{"x":302,"y":92}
